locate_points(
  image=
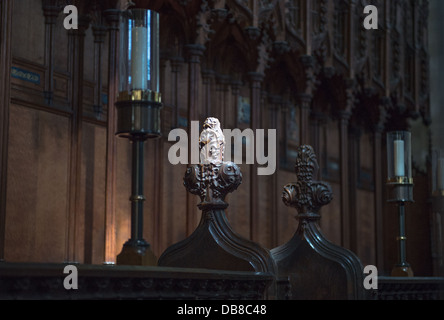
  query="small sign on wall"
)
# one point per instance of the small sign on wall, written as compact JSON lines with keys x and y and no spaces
{"x":25,"y":75}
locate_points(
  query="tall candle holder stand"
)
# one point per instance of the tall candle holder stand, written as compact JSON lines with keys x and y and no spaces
{"x":138,"y":120}
{"x":138,"y":115}
{"x":401,"y":194}
{"x":400,"y":191}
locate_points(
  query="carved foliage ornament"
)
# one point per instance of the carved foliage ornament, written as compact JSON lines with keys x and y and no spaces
{"x":307,"y":195}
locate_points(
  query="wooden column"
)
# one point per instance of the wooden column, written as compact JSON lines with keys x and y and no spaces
{"x":379,"y":191}
{"x":157,"y":174}
{"x":344,"y":117}
{"x":264,"y":124}
{"x":352,"y":33}
{"x":305,"y":106}
{"x":255,"y":116}
{"x":156,"y":222}
{"x":308,"y":26}
{"x":222,"y":82}
{"x":235,"y":91}
{"x":218,"y":103}
{"x":315,"y":124}
{"x":51,"y":13}
{"x":195,"y":51}
{"x":5,"y":74}
{"x":353,"y":172}
{"x":208,"y":78}
{"x":283,"y":123}
{"x":306,"y":96}
{"x":112,"y":17}
{"x":77,"y":39}
{"x":176,"y":63}
{"x":274,"y":189}
{"x":99,"y":32}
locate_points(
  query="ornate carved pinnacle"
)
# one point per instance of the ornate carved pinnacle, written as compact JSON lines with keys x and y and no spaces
{"x":307,"y":195}
{"x":213,"y":178}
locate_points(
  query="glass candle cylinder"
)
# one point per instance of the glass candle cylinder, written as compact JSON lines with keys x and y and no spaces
{"x":139,"y":102}
{"x":399,"y":158}
{"x":139,"y":55}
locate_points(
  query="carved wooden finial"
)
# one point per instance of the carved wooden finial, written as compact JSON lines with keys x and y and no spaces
{"x":315,"y":267}
{"x":214,"y":244}
{"x":213,"y":178}
{"x":212,"y":142}
{"x":307,"y":195}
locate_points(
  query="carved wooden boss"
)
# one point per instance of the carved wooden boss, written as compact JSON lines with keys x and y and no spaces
{"x":315,"y":267}
{"x":214,"y":245}
{"x":307,"y":267}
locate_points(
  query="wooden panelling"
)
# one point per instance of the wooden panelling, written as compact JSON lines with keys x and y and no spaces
{"x":366,"y":151}
{"x":152,"y":193}
{"x":123,"y":193}
{"x":29,"y":78}
{"x":332,"y":139}
{"x":88,"y":97}
{"x":5,"y":85}
{"x":29,"y":31}
{"x":331,"y":216}
{"x":92,"y":194}
{"x":61,"y":54}
{"x":173,"y":202}
{"x":61,"y":88}
{"x":237,"y":211}
{"x":38,"y":162}
{"x":112,"y":19}
{"x":89,"y":55}
{"x":365,"y":215}
{"x":265,"y":221}
{"x":418,"y":229}
{"x":104,"y":58}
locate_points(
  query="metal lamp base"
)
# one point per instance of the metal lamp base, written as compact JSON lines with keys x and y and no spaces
{"x":140,"y":118}
{"x":136,"y":253}
{"x":402,"y":270}
{"x":137,"y":120}
{"x":400,"y":192}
